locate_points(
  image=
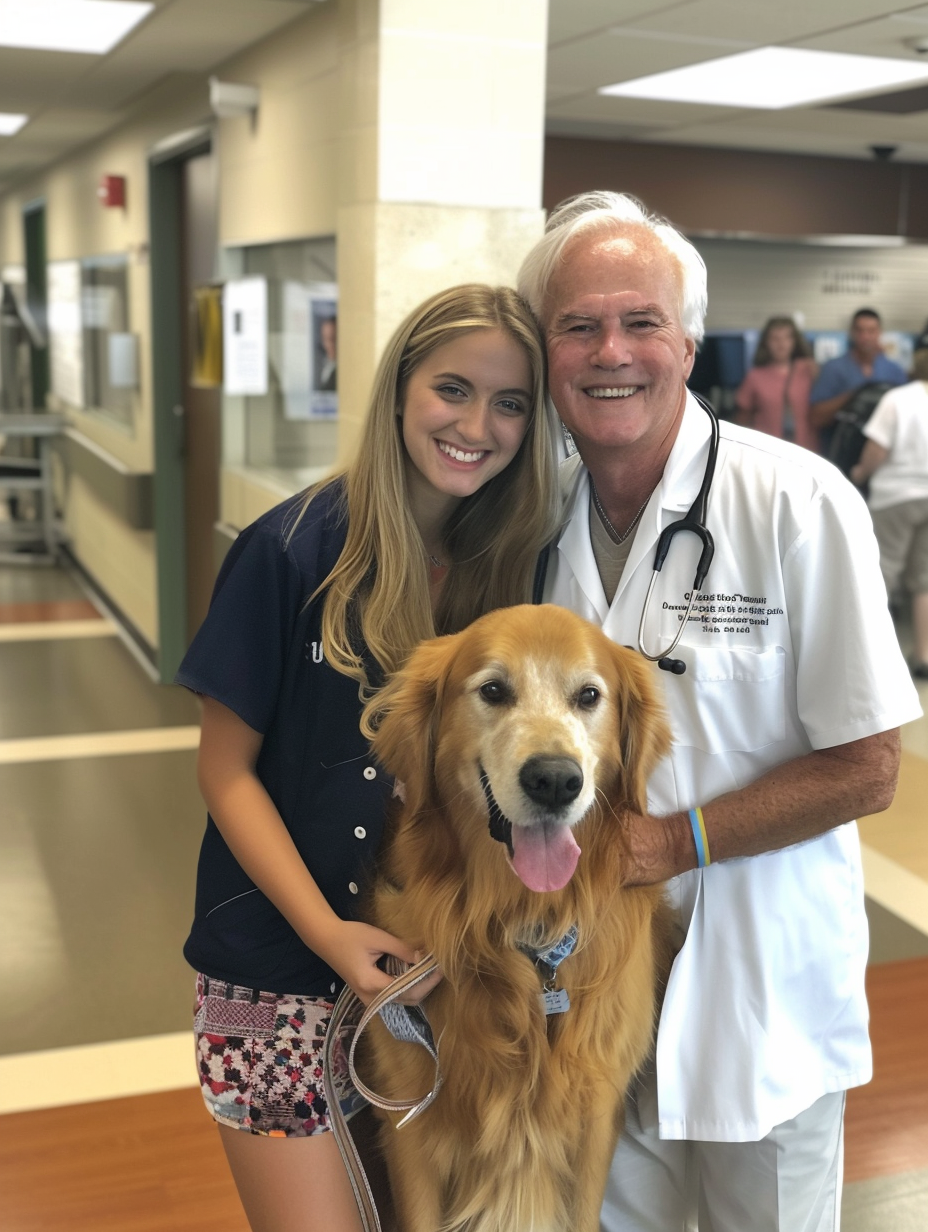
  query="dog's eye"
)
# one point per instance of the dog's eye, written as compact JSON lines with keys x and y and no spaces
{"x":588,"y":697}
{"x":494,"y":692}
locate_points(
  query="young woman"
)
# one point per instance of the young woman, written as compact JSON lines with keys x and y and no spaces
{"x":774,"y":396}
{"x":439,"y":519}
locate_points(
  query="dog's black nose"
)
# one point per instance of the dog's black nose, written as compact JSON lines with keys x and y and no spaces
{"x":551,"y":781}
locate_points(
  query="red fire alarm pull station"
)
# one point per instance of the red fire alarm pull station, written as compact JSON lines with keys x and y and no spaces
{"x":112,"y":191}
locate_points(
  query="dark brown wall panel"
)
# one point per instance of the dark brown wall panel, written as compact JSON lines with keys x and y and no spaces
{"x":916,"y":207}
{"x":733,"y":190}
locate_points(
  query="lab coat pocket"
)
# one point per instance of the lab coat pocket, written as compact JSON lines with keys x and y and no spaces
{"x":734,"y":699}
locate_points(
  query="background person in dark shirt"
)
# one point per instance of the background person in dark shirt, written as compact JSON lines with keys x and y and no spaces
{"x":840,"y":379}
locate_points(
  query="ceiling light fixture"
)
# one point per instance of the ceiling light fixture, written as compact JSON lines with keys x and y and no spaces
{"x":90,"y":26}
{"x":773,"y":78}
{"x":10,"y":124}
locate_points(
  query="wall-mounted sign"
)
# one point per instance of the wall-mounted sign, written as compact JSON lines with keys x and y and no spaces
{"x":122,"y":351}
{"x":244,"y":336}
{"x":65,"y":338}
{"x":846,"y":281}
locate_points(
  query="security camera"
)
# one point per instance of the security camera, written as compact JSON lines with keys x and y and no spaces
{"x":883,"y":153}
{"x":917,"y":43}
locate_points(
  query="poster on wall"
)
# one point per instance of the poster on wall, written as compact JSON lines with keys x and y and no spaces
{"x":309,"y":350}
{"x":899,"y":347}
{"x":65,"y":337}
{"x":244,"y":336}
{"x":99,"y":307}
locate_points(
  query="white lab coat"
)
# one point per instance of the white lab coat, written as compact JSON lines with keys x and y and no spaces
{"x":791,"y":649}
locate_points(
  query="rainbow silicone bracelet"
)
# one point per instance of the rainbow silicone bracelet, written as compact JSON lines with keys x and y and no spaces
{"x":700,"y":837}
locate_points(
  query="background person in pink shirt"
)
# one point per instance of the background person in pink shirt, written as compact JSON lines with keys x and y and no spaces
{"x":774,"y":396}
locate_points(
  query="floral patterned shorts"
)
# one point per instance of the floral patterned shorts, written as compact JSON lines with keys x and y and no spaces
{"x":260,"y":1060}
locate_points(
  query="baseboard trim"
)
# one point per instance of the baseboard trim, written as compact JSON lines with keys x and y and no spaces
{"x":139,"y":647}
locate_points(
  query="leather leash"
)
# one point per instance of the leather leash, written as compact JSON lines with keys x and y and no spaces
{"x":351,"y":1016}
{"x":409,"y":1024}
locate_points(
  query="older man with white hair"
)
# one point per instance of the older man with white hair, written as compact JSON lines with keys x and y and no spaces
{"x":785,"y":693}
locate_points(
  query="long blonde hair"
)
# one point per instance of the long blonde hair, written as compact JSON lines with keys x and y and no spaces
{"x":378,"y":592}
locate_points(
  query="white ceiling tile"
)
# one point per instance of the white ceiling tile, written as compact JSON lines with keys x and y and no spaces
{"x":761,"y":21}
{"x":554,"y":94}
{"x":559,"y":127}
{"x":620,"y":56}
{"x":570,"y":19}
{"x":798,"y":140}
{"x":13,"y":161}
{"x":604,"y":108}
{"x":68,"y":125}
{"x":837,"y":120}
{"x":198,"y":34}
{"x":873,"y":38}
{"x":32,"y":78}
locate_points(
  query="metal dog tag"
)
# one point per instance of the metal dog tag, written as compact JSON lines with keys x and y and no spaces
{"x":556,"y":1002}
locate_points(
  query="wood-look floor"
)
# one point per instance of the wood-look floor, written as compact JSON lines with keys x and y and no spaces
{"x":886,"y":1125}
{"x":35,"y":610}
{"x":153,"y":1163}
{"x":149,"y":1163}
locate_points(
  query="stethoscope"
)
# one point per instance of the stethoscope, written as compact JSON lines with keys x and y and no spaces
{"x":694,"y":521}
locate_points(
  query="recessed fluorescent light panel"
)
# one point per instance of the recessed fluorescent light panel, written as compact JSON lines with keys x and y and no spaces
{"x":773,"y":78}
{"x":10,"y":124}
{"x":90,"y":26}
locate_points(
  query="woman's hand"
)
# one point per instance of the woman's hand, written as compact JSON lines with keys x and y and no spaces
{"x":354,"y":951}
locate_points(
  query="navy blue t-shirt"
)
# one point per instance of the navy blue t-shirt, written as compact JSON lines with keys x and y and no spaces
{"x":259,"y":652}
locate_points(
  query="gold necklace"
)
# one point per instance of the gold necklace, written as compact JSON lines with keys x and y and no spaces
{"x":613,"y":533}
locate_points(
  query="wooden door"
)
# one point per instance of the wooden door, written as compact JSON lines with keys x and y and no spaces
{"x":201,"y":406}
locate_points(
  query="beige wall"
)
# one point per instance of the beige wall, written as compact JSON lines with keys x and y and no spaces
{"x":12,"y":250}
{"x":278,"y":173}
{"x":822,"y":284}
{"x":122,"y":560}
{"x":410,"y":130}
{"x":442,"y":114}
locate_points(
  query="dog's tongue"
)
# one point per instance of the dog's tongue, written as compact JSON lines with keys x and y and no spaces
{"x":543,"y":857}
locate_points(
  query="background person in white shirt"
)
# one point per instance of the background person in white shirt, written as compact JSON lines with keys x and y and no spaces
{"x":895,"y":461}
{"x":785,"y":728}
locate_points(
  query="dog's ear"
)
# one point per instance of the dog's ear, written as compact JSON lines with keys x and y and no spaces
{"x":644,"y":733}
{"x":403,"y":717}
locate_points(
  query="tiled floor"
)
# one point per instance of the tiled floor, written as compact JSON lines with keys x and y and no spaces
{"x":100,"y":822}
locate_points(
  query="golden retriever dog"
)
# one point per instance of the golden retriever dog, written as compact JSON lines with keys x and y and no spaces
{"x":520,"y":744}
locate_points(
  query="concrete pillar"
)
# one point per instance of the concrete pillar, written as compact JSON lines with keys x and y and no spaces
{"x":441,"y":129}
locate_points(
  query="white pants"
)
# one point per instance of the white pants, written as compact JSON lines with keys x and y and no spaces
{"x":790,"y":1181}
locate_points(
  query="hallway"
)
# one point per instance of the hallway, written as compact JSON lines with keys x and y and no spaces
{"x":100,"y":823}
